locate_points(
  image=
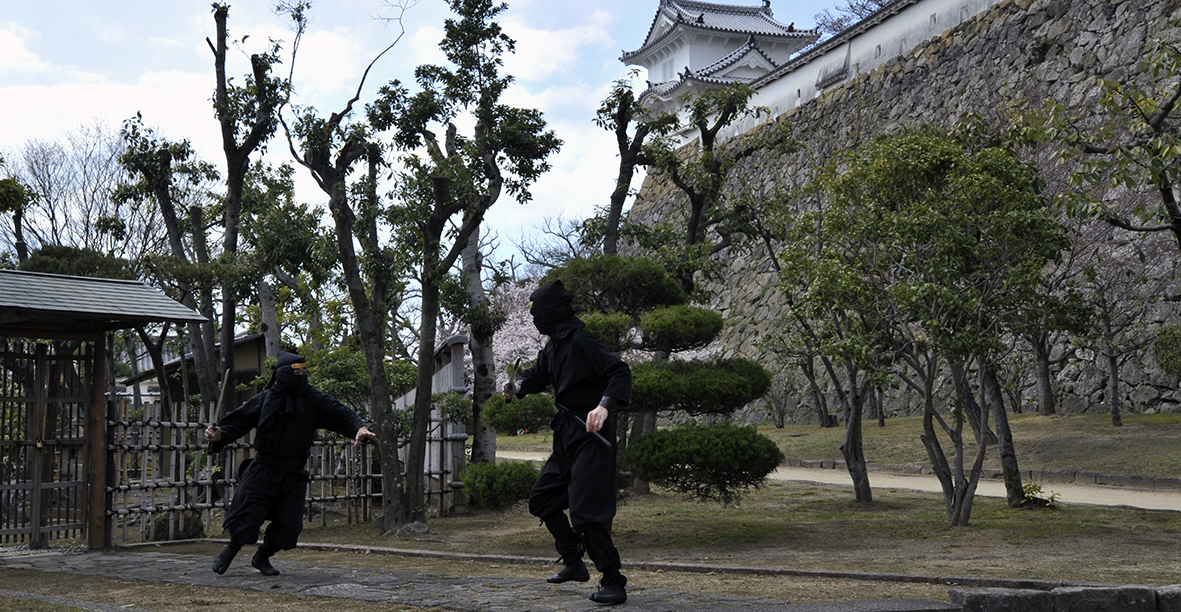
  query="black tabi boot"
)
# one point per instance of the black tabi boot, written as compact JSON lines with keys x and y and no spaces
{"x":568,"y":546}
{"x":609,"y":594}
{"x":573,"y":571}
{"x":262,"y":560}
{"x":222,"y":561}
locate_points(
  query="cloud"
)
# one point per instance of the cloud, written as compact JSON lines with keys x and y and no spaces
{"x":542,"y":54}
{"x":15,"y":56}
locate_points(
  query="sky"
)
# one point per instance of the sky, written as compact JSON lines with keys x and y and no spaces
{"x":69,"y":63}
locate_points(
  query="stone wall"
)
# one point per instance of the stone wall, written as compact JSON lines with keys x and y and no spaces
{"x":1006,"y":59}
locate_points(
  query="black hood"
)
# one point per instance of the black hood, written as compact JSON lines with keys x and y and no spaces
{"x":285,"y":380}
{"x":550,"y":305}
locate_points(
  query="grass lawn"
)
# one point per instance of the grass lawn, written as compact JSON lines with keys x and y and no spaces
{"x":1146,"y":445}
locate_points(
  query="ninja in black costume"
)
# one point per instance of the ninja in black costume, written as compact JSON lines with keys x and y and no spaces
{"x":590,"y":382}
{"x":273,"y":485}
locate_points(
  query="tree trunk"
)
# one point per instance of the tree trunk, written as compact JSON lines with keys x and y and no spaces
{"x":1014,"y":492}
{"x":270,"y":319}
{"x":852,"y":449}
{"x":819,"y":401}
{"x":480,"y":345}
{"x":1111,"y":356}
{"x":394,"y":496}
{"x":976,"y":417}
{"x":1046,"y":404}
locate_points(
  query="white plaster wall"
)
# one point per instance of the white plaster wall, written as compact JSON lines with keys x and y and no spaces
{"x":861,"y":52}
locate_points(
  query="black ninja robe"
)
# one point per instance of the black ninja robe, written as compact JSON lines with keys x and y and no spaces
{"x":580,"y":475}
{"x":274,"y":484}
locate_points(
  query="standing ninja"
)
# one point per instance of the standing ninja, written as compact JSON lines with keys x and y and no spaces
{"x":272,"y":487}
{"x":589,"y":383}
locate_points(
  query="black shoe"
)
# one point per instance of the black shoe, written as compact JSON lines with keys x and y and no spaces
{"x":576,"y":572}
{"x":263,"y":564}
{"x":609,"y":595}
{"x":222,"y":561}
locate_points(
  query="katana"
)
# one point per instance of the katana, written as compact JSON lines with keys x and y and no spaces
{"x":596,"y":434}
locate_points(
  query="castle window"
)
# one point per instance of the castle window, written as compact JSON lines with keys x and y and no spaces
{"x":933,"y":20}
{"x":878,"y":51}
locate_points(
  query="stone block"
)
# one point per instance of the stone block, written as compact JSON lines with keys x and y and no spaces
{"x":1168,"y":598}
{"x":1002,"y":600}
{"x":1105,"y":599}
{"x":1058,"y":476}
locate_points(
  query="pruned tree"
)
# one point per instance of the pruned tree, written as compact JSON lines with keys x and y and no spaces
{"x":248,"y":116}
{"x":450,"y":182}
{"x":329,"y":148}
{"x":617,"y":113}
{"x":933,"y":243}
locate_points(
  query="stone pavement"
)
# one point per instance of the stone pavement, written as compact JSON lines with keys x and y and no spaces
{"x":492,"y":594}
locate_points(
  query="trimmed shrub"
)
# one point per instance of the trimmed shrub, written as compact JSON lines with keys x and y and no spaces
{"x":611,"y":329}
{"x":522,"y":415}
{"x":679,"y":328}
{"x":498,"y":485}
{"x":720,"y":386}
{"x":705,"y":463}
{"x":1166,"y":348}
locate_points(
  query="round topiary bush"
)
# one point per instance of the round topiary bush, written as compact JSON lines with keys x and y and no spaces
{"x":498,"y":485}
{"x":521,"y":415}
{"x":705,"y":463}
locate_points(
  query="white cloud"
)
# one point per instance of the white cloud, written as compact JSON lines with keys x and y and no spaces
{"x":104,"y":31}
{"x":542,"y":54}
{"x":14,"y":56}
{"x":328,"y":65}
{"x":424,"y":46}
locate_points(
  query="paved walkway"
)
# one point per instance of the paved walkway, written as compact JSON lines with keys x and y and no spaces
{"x":463,"y":593}
{"x":496,"y":594}
{"x":1067,"y":493}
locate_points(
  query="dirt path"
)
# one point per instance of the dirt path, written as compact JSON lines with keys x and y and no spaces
{"x":1067,"y":493}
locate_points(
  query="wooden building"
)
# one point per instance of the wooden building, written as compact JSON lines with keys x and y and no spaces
{"x":53,"y":398}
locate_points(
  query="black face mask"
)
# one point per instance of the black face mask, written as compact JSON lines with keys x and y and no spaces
{"x":550,"y":305}
{"x":287,"y":381}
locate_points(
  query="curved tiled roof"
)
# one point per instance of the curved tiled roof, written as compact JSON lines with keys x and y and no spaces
{"x":734,"y":56}
{"x":710,"y":17}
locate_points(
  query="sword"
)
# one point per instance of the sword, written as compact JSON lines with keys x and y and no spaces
{"x":221,"y":396}
{"x":583,"y":423}
{"x":512,"y":378}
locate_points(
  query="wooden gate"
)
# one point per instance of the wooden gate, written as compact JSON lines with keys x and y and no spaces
{"x":44,"y":394}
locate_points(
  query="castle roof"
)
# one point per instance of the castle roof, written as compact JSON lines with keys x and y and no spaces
{"x":713,"y":18}
{"x":719,"y":73}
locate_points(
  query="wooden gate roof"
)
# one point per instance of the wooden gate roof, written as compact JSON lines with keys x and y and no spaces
{"x":37,"y":305}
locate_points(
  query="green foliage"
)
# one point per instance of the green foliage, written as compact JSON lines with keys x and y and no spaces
{"x":1034,"y":499}
{"x":455,"y":407}
{"x":1131,"y":140}
{"x":521,"y":415}
{"x":498,"y":485}
{"x":613,"y":330}
{"x":679,"y":328}
{"x":610,"y":284}
{"x":1166,"y":348}
{"x":705,"y":463}
{"x":929,"y":224}
{"x":72,"y":261}
{"x":697,"y":387}
{"x":13,"y":195}
{"x":342,"y":373}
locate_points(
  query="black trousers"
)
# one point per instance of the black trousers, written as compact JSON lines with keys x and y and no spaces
{"x":580,"y":477}
{"x":262,"y":495}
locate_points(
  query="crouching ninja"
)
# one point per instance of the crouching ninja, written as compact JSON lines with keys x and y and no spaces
{"x":589,"y":382}
{"x":273,"y":485}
